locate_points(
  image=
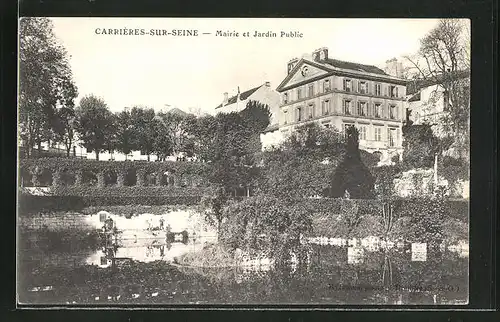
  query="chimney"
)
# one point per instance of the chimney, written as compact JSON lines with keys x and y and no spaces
{"x":394,"y":67}
{"x":320,"y":54}
{"x":226,"y":99}
{"x":291,"y":64}
{"x":268,"y":84}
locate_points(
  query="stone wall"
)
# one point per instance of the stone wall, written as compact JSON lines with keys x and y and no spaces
{"x":54,"y":222}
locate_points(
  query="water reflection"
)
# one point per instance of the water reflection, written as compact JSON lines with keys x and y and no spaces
{"x":136,"y":265}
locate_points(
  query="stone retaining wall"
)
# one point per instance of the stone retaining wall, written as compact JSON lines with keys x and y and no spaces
{"x":55,"y":222}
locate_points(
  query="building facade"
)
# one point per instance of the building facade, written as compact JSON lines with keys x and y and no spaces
{"x":428,"y":101}
{"x":340,"y":94}
{"x":263,"y":94}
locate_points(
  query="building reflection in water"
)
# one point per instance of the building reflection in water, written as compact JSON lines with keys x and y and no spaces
{"x":144,"y":250}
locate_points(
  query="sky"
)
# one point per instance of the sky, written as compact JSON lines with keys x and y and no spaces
{"x":190,"y":72}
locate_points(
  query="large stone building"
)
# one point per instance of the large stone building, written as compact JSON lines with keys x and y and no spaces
{"x":339,"y":94}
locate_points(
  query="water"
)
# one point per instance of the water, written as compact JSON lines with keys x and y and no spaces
{"x":138,"y":267}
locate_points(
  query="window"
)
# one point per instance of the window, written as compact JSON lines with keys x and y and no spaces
{"x":285,"y":98}
{"x":298,"y":114}
{"x":393,"y":91}
{"x":347,"y":107}
{"x":347,"y":85}
{"x":326,"y":85}
{"x":362,"y":132}
{"x":376,"y":110}
{"x":311,"y":111}
{"x":363,"y":87}
{"x":325,"y":107}
{"x":346,"y":127}
{"x":299,"y":93}
{"x":392,"y":111}
{"x":362,"y":108}
{"x":378,"y":89}
{"x":378,"y":133}
{"x":311,"y":90}
{"x":391,"y":136}
{"x":285,"y":117}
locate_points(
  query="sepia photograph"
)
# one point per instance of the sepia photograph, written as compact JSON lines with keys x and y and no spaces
{"x":243,"y":161}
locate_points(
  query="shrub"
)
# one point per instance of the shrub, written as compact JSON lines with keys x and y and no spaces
{"x":426,"y":218}
{"x":265,"y":223}
{"x":211,"y":256}
{"x":189,"y":169}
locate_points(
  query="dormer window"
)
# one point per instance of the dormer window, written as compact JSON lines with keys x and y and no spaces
{"x":347,"y":85}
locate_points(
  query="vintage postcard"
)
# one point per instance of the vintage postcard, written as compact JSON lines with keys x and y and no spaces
{"x":196,"y":161}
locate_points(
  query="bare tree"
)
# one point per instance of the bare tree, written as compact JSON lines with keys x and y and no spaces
{"x":444,"y":60}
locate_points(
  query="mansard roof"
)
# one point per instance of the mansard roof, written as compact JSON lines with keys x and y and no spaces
{"x":353,"y":66}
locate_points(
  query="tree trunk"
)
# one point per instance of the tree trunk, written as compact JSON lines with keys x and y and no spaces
{"x":148,"y":156}
{"x":97,"y":155}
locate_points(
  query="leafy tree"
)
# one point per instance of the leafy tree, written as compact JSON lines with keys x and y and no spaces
{"x":351,"y":175}
{"x":45,"y":80}
{"x":201,"y":132}
{"x":143,"y":125}
{"x":64,"y":127}
{"x":94,"y":124}
{"x":420,"y":145}
{"x":266,"y":223}
{"x":178,"y":126}
{"x":163,"y":141}
{"x":125,"y":139}
{"x":443,"y":59}
{"x":302,"y":165}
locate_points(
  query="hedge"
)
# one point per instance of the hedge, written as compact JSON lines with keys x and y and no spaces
{"x":196,"y":169}
{"x":457,"y":208}
{"x":31,"y":203}
{"x":130,"y":192}
{"x":334,"y":205}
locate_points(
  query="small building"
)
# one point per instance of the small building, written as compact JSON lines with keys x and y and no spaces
{"x":428,"y":102}
{"x":263,"y":94}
